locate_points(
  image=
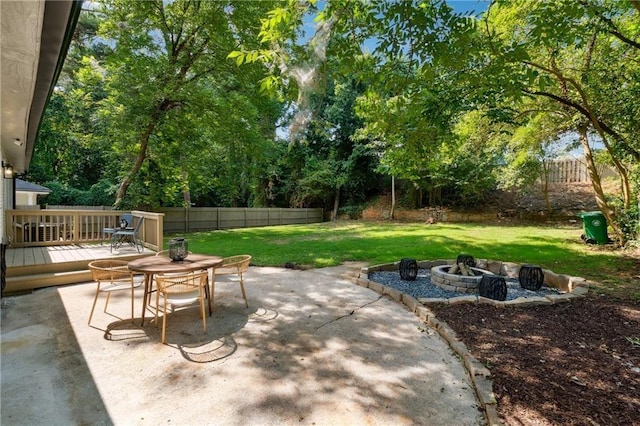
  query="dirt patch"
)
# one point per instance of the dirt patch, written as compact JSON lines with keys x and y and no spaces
{"x":564,"y":202}
{"x":575,"y":363}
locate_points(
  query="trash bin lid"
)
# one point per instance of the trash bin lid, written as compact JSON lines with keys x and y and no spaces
{"x":593,"y":214}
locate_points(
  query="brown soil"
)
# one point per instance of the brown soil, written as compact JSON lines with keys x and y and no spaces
{"x":565,"y":201}
{"x":575,"y":363}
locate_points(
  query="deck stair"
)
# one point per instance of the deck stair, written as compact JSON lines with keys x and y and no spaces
{"x":30,"y":268}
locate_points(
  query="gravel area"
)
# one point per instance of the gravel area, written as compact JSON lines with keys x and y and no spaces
{"x":422,"y":286}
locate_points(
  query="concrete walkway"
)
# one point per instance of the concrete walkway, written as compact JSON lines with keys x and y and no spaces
{"x":311,"y":349}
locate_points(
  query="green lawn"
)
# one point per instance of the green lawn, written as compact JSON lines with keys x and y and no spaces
{"x":557,"y":248}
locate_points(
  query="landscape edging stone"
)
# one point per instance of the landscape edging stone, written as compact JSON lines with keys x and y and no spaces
{"x":479,"y":374}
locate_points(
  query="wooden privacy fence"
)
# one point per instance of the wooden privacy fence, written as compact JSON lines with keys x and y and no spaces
{"x":177,"y":219}
{"x":575,"y":171}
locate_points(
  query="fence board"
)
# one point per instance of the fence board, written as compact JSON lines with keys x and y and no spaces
{"x":575,"y":171}
{"x":178,"y":219}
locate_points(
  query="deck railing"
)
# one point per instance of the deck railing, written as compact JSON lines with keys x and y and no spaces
{"x":29,"y":228}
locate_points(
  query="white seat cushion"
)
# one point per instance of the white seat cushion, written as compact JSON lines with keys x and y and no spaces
{"x":183,"y":298}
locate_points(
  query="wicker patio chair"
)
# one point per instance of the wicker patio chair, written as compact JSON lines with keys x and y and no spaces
{"x":110,"y":276}
{"x":232,"y":270}
{"x":180,"y":291}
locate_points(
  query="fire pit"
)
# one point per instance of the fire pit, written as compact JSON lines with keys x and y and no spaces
{"x":441,"y":277}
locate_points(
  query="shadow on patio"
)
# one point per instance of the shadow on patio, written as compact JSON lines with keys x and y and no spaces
{"x":312,"y":348}
{"x":45,"y":376}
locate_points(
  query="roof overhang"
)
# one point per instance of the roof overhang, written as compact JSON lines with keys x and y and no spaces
{"x":35,"y":39}
{"x":28,"y":187}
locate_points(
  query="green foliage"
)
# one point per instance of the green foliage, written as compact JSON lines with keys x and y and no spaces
{"x":407,"y":112}
{"x":99,"y":194}
{"x":628,"y":220}
{"x":327,"y":161}
{"x":630,"y":223}
{"x":577,"y":54}
{"x":171,"y":91}
{"x":532,"y":145}
{"x":351,"y":211}
{"x":159,"y":109}
{"x":69,"y":145}
{"x":62,"y":195}
{"x":572,"y":61}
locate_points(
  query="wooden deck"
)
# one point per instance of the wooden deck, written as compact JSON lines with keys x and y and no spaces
{"x":35,"y":267}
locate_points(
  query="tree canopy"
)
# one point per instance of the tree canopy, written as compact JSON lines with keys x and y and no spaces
{"x":316,"y":103}
{"x":571,"y":65}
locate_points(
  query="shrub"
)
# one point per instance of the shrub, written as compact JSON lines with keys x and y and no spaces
{"x":100,"y":194}
{"x":353,"y":212}
{"x":629,"y":222}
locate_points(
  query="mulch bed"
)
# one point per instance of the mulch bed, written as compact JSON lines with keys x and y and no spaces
{"x":570,"y":363}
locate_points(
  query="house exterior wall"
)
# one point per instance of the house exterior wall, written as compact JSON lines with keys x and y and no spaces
{"x":26,"y":198}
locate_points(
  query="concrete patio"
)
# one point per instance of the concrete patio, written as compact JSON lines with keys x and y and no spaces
{"x":312,"y":348}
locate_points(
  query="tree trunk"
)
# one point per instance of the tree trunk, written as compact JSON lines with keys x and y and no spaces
{"x":186,"y":193}
{"x":163,"y":106}
{"x":393,"y":196}
{"x":608,"y":212}
{"x":545,"y":186}
{"x":622,"y":170}
{"x":142,"y":155}
{"x":336,"y":204}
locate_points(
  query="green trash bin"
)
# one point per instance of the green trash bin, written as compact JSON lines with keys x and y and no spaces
{"x":595,"y":227}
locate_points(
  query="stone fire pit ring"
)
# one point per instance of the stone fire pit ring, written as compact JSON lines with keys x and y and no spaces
{"x":441,"y":277}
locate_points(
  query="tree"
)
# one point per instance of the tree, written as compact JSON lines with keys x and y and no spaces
{"x":69,"y":147}
{"x":450,"y":100}
{"x":401,"y":111}
{"x":562,"y":51}
{"x":337,"y":167}
{"x":533,"y":145}
{"x":167,"y":72}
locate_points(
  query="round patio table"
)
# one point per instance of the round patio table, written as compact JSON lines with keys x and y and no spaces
{"x":152,"y":265}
